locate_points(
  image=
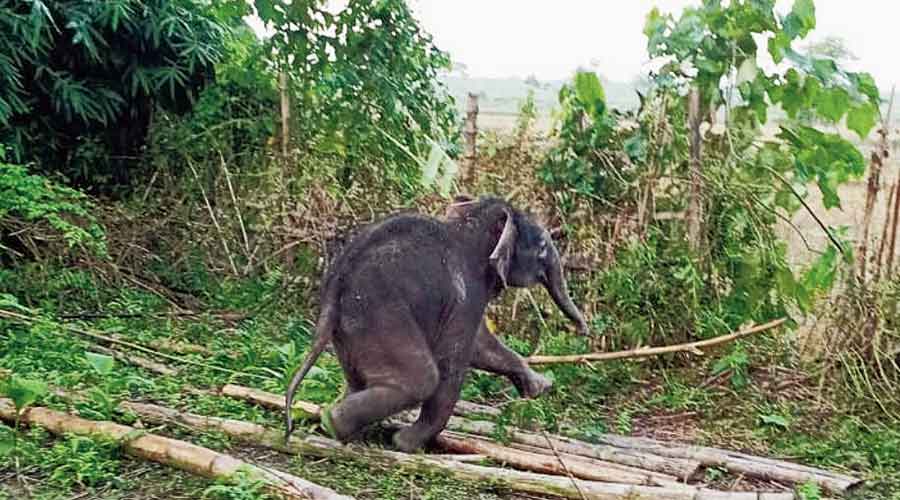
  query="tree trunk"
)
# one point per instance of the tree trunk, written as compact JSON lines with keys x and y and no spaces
{"x":285,"y":113}
{"x":172,"y":452}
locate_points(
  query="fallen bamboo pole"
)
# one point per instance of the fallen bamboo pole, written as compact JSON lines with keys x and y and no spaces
{"x":767,"y":468}
{"x":579,"y":467}
{"x":526,"y":482}
{"x":172,"y":452}
{"x":680,"y":468}
{"x":643,"y":352}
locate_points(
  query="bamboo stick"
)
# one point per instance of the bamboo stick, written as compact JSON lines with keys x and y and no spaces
{"x":767,"y":468}
{"x":172,"y":452}
{"x":642,"y":352}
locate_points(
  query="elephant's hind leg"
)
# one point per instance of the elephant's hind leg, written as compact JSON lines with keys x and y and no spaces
{"x":434,"y":414}
{"x":397,"y":372}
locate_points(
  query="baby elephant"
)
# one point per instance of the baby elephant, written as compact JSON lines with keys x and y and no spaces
{"x":404,"y":305}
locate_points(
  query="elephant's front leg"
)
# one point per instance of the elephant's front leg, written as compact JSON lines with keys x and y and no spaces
{"x":492,"y":356}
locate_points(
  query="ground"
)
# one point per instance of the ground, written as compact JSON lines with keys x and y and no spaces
{"x":770,"y":405}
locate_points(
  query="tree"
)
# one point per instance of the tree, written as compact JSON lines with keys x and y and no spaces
{"x":78,"y":76}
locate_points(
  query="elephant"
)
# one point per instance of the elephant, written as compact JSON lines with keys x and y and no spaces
{"x":403,"y":305}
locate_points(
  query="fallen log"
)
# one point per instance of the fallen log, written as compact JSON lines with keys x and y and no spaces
{"x":766,"y":468}
{"x":179,"y":454}
{"x":513,"y":480}
{"x":643,"y":352}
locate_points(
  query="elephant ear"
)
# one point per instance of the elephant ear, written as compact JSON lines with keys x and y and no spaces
{"x":501,"y":257}
{"x":460,"y":207}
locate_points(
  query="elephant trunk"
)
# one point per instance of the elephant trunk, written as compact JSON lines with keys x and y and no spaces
{"x":555,"y":283}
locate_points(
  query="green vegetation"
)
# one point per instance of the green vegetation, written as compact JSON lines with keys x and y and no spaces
{"x":216,"y":236}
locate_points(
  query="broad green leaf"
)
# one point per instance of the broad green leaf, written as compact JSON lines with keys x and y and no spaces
{"x":862,"y":118}
{"x":777,"y":46}
{"x":23,"y":392}
{"x":101,"y":363}
{"x":832,"y":103}
{"x":590,"y":92}
{"x":866,"y":85}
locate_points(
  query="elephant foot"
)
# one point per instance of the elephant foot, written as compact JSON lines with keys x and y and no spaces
{"x":534,"y":384}
{"x":332,"y":425}
{"x":409,"y":439}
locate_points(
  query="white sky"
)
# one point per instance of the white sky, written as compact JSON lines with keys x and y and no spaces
{"x":549,"y":39}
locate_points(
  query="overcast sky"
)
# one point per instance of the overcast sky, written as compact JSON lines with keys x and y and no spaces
{"x":549,"y":39}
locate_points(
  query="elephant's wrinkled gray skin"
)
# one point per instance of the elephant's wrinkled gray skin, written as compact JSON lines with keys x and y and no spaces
{"x":404,"y":305}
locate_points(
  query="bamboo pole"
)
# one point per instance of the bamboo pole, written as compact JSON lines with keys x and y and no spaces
{"x":642,"y":352}
{"x":766,"y":468}
{"x":172,"y":452}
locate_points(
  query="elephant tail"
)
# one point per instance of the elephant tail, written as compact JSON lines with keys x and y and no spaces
{"x":325,"y":326}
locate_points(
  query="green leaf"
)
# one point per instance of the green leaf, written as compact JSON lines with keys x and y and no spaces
{"x":101,"y":363}
{"x":861,"y":119}
{"x":590,"y":92}
{"x":777,"y":46}
{"x":774,"y":419}
{"x":7,"y":445}
{"x":23,"y":391}
{"x":833,"y":103}
{"x":801,"y":20}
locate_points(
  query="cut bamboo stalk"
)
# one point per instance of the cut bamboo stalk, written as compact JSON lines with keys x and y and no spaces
{"x":546,"y":464}
{"x":680,"y":468}
{"x":653,"y":478}
{"x":526,"y":482}
{"x":172,"y":452}
{"x":642,"y":352}
{"x":767,"y":468}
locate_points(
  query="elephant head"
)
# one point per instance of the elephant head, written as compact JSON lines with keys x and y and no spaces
{"x":524,"y":254}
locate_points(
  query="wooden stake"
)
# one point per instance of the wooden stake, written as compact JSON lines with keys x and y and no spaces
{"x":471,"y":135}
{"x":695,"y":202}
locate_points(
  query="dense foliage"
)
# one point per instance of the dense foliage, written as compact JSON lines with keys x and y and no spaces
{"x":366,"y":84}
{"x":82,"y":79}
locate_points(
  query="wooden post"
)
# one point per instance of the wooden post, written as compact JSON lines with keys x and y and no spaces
{"x":695,"y":202}
{"x":471,"y":134}
{"x":881,"y":153}
{"x":285,"y":112}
